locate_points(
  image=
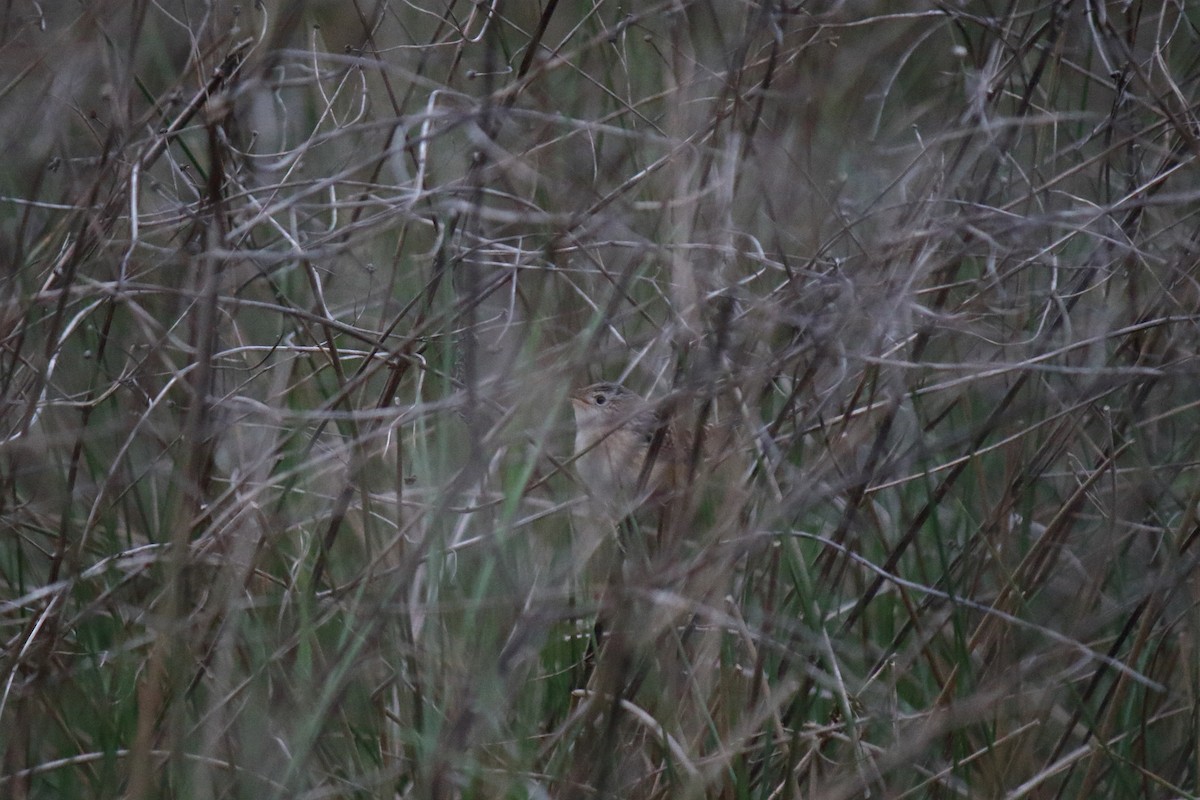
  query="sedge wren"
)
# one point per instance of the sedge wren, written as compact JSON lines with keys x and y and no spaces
{"x":615,"y":432}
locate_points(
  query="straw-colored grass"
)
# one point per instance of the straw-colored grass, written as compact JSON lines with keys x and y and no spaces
{"x":292,"y":298}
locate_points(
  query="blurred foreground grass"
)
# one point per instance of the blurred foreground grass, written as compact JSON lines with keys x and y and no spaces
{"x":292,"y":297}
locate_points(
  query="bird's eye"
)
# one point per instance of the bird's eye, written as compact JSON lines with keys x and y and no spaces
{"x":599,"y":399}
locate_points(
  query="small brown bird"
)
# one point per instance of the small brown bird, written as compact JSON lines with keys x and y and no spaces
{"x":616,"y":431}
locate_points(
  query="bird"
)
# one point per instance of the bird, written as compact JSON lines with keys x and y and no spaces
{"x":614,"y":430}
{"x":631,"y":452}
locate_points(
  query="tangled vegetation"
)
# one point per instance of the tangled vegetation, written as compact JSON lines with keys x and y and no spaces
{"x":293,"y":296}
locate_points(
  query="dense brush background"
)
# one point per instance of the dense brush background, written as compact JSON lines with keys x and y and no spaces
{"x":292,"y":296}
